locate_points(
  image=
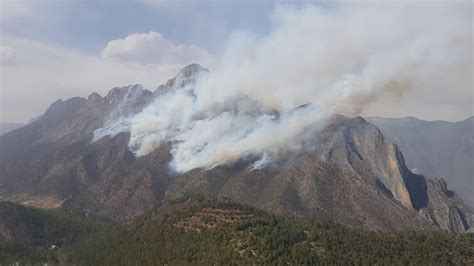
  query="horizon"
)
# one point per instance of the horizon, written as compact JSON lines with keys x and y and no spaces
{"x":50,"y":59}
{"x":103,"y":94}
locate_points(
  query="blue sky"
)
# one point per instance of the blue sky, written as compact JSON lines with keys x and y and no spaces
{"x":87,"y":25}
{"x":52,"y":49}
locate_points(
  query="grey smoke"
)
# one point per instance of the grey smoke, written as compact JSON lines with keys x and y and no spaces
{"x":338,"y":61}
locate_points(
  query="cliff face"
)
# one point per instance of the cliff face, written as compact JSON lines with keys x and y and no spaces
{"x":445,"y":209}
{"x":368,"y":153}
{"x":351,"y":174}
{"x":374,"y":156}
{"x":436,"y":149}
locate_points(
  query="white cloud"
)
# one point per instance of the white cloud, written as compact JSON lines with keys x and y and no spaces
{"x":152,"y":48}
{"x":42,"y":73}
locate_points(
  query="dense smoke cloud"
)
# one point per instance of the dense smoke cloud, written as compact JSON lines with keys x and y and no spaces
{"x":335,"y":61}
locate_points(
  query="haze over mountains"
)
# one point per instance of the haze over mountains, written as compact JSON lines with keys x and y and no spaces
{"x":81,"y":155}
{"x":436,"y":149}
{"x":7,"y":127}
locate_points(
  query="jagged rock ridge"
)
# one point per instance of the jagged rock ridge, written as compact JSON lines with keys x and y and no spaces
{"x":354,"y":175}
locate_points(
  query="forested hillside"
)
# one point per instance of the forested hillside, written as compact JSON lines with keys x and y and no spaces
{"x":203,"y":231}
{"x":199,"y":230}
{"x":30,"y":235}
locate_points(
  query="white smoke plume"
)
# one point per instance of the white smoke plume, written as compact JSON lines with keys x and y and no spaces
{"x":338,"y":60}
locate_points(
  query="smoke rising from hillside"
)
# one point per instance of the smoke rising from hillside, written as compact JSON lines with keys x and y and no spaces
{"x":338,"y":61}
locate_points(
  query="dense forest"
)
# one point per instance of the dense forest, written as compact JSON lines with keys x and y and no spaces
{"x":199,"y":230}
{"x":34,"y":235}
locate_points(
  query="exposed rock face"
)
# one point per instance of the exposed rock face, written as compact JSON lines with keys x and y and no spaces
{"x":445,"y":209}
{"x":33,"y":148}
{"x":186,"y":76}
{"x":76,"y":118}
{"x":370,"y":154}
{"x":436,"y":149}
{"x":352,"y":175}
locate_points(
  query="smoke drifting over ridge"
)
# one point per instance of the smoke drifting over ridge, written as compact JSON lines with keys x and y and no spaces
{"x":337,"y":60}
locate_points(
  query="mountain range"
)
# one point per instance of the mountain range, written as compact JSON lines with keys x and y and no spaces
{"x":353,"y":174}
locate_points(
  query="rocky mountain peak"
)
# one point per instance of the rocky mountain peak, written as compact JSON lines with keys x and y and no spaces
{"x":128,"y":100}
{"x":185,"y":76}
{"x":120,"y":94}
{"x":191,"y":71}
{"x":361,"y":146}
{"x":94,"y":98}
{"x":61,"y":107}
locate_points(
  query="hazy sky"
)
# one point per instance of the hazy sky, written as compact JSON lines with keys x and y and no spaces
{"x":52,"y":49}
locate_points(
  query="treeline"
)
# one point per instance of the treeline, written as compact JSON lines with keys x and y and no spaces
{"x":199,"y":230}
{"x":264,"y":239}
{"x":37,"y":236}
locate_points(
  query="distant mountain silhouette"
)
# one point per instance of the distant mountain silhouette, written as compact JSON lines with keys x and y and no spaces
{"x":436,"y":149}
{"x":7,"y":127}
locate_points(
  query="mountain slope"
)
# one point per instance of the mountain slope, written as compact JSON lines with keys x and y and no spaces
{"x":200,"y":230}
{"x":436,"y":149}
{"x":30,"y":235}
{"x":353,"y":176}
{"x":206,"y":231}
{"x":64,"y":124}
{"x":42,"y":227}
{"x":7,"y":127}
{"x":350,"y":173}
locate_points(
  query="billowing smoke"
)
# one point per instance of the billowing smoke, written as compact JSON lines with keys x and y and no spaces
{"x":266,"y":96}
